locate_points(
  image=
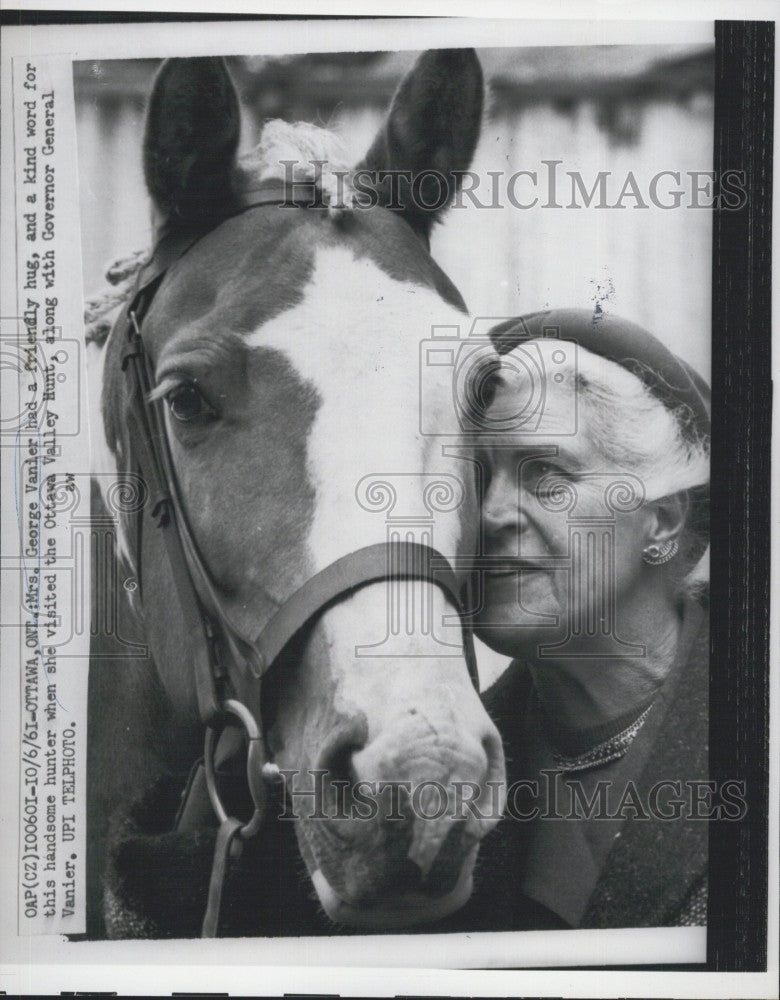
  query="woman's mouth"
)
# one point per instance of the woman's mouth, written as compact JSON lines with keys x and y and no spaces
{"x":497,"y":568}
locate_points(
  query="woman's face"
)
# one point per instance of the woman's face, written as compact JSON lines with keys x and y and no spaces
{"x":563,"y":535}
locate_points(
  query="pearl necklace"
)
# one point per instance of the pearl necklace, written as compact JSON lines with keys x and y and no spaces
{"x":610,"y":749}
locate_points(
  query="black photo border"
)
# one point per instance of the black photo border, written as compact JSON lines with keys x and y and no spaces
{"x":741,"y":494}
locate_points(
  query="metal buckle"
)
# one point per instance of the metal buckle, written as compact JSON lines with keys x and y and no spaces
{"x":254,"y":768}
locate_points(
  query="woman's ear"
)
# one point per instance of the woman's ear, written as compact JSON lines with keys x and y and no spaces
{"x":667,"y":518}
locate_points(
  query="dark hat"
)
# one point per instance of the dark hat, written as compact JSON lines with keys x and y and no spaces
{"x":668,"y":377}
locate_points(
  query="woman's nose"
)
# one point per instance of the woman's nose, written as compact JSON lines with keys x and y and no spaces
{"x":501,"y":507}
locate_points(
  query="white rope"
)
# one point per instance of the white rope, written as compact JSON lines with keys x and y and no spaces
{"x":99,"y":309}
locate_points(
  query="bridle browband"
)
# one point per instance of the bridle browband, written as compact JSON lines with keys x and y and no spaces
{"x":228,"y":665}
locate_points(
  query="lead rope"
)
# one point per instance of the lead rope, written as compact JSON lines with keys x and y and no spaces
{"x":228,"y":847}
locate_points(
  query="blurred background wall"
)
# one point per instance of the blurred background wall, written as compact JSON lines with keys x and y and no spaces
{"x":620,"y":109}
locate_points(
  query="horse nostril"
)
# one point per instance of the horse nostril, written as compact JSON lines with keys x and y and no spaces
{"x":342,"y":742}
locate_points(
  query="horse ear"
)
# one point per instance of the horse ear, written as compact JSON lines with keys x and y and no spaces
{"x":192,"y":130}
{"x":433,"y":125}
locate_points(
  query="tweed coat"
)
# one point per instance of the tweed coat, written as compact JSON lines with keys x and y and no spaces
{"x":565,"y":869}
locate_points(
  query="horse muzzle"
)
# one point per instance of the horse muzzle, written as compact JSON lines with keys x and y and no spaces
{"x":410,"y":909}
{"x":400,"y":848}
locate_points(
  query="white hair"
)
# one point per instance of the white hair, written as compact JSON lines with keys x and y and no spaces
{"x":638,"y":434}
{"x":636,"y":431}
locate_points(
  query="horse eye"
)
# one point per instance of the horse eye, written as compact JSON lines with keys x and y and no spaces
{"x":188,"y":406}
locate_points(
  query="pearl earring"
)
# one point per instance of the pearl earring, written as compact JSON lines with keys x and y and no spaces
{"x":658,"y":554}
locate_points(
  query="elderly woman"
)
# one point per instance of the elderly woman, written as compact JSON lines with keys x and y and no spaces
{"x":594,"y":467}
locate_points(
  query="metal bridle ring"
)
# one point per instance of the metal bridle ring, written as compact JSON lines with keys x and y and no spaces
{"x":253,"y":768}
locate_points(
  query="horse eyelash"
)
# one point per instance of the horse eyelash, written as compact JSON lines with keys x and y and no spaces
{"x":162,"y":390}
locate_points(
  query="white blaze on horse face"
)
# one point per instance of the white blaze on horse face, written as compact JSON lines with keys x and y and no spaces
{"x":356,"y":338}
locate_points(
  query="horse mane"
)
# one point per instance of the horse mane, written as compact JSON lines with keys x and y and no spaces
{"x":298,"y":152}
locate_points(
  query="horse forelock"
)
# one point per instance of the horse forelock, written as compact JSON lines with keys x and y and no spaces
{"x":296,"y":153}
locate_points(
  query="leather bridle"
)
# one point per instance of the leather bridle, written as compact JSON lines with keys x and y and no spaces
{"x":228,"y":665}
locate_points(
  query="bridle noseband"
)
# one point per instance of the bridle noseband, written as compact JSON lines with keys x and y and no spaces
{"x":228,"y":665}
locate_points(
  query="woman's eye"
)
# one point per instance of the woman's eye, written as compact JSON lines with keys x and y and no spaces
{"x":188,"y":406}
{"x":534,"y":471}
{"x":542,"y":477}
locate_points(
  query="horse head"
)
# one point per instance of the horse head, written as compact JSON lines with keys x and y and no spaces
{"x":284,"y":348}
